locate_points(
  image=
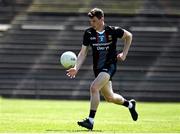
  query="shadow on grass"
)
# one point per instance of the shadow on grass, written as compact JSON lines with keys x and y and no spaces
{"x":74,"y":131}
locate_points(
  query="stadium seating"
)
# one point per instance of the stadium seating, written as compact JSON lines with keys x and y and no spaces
{"x":31,"y":47}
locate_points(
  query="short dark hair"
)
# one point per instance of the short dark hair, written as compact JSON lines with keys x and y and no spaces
{"x":96,"y":12}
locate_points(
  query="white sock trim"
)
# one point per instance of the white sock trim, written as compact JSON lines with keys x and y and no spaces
{"x":130,"y":105}
{"x":91,"y":120}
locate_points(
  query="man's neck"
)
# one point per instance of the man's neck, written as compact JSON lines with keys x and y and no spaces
{"x":101,"y":28}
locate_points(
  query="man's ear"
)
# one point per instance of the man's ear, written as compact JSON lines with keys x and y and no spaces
{"x":102,"y":18}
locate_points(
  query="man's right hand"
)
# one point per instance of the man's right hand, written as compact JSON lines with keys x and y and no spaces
{"x":71,"y":72}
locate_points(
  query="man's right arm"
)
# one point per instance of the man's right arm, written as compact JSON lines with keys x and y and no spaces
{"x":80,"y":59}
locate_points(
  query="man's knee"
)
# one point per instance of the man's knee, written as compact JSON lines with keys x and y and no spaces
{"x":109,"y":98}
{"x":93,"y":89}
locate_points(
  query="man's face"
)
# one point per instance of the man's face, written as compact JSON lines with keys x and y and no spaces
{"x":95,"y":22}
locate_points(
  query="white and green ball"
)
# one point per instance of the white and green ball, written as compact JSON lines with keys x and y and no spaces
{"x":68,"y":59}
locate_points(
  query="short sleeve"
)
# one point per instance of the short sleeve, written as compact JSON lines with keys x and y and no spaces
{"x":86,"y":39}
{"x":119,"y":32}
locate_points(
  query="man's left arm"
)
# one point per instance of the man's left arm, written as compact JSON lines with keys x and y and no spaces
{"x":127,"y":39}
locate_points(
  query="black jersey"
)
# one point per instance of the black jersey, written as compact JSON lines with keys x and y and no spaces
{"x":103,"y":45}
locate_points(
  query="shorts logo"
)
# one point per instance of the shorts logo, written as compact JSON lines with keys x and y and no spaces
{"x":92,"y":38}
{"x":105,"y":69}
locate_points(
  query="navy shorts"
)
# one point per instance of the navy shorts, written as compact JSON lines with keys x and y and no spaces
{"x":110,"y":69}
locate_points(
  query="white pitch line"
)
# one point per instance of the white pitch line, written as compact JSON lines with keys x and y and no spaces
{"x":83,"y":132}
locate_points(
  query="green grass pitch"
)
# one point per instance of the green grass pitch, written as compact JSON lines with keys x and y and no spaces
{"x":55,"y":116}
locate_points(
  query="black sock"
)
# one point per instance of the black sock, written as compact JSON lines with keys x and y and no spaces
{"x":92,"y":113}
{"x":126,"y":103}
